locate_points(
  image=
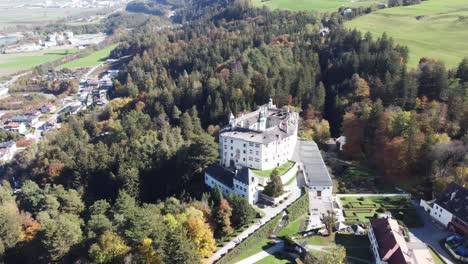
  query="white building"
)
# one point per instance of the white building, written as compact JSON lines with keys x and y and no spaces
{"x":449,"y":209}
{"x":261,"y":140}
{"x":315,"y":170}
{"x":7,"y":151}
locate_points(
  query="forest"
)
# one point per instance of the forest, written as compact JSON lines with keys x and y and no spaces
{"x":126,"y":184}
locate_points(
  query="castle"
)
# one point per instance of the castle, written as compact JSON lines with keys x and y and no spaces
{"x":260,"y":140}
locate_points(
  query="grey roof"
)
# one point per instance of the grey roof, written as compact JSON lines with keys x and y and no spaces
{"x":221,"y":174}
{"x":265,"y":137}
{"x":280,"y":124}
{"x":243,"y":175}
{"x":455,"y":200}
{"x":314,"y":166}
{"x":7,"y":144}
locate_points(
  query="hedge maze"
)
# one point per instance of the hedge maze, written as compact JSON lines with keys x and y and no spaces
{"x":361,"y":209}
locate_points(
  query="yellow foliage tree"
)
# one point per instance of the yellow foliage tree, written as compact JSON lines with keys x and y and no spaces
{"x":202,"y":235}
{"x":110,"y":248}
{"x":148,"y":253}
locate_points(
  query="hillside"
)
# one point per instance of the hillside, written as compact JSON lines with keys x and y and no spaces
{"x":434,"y":28}
{"x":321,"y":5}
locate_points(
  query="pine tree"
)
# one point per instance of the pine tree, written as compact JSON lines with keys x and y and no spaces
{"x":179,"y":249}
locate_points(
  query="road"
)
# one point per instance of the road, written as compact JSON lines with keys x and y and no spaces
{"x":430,"y":233}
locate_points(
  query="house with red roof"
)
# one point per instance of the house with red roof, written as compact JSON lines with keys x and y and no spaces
{"x":390,"y":244}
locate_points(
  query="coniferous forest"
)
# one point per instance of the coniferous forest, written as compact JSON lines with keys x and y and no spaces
{"x":125,"y":184}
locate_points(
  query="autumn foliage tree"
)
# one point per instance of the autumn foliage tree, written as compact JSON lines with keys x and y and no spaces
{"x":200,"y":232}
{"x":223,"y":219}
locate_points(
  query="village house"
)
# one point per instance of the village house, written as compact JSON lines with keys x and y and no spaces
{"x":450,"y":208}
{"x":389,"y":244}
{"x":26,"y":119}
{"x":48,"y":108}
{"x":16,"y":127}
{"x":7,"y":150}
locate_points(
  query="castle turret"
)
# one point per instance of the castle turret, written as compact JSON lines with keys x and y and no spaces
{"x":261,"y":121}
{"x":232,"y":120}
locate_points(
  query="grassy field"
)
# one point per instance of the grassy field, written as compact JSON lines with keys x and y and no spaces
{"x":320,"y":5}
{"x":11,"y":63}
{"x":434,"y":28}
{"x":360,"y":210}
{"x":92,"y":59}
{"x":275,"y":259}
{"x":282,"y":169}
{"x":11,"y":17}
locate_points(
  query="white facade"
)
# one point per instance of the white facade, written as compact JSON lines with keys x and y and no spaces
{"x":321,"y":191}
{"x":374,"y":246}
{"x":441,"y":215}
{"x":257,"y":156}
{"x":261,"y":140}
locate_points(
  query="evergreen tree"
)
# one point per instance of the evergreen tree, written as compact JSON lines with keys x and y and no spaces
{"x":179,"y":249}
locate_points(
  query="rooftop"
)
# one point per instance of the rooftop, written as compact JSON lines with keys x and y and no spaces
{"x":314,"y":166}
{"x":393,"y":248}
{"x":226,"y":176}
{"x":455,"y":200}
{"x":278,"y":124}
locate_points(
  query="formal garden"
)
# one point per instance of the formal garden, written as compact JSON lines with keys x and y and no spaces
{"x":361,"y":209}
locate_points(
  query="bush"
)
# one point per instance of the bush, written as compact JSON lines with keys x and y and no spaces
{"x":381,"y":210}
{"x":361,"y":199}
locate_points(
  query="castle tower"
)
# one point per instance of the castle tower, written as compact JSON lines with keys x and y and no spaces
{"x":261,"y":121}
{"x":232,"y":120}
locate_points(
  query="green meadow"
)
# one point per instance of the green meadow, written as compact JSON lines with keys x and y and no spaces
{"x":90,"y":60}
{"x":435,"y":28}
{"x":320,"y":5}
{"x":11,"y":63}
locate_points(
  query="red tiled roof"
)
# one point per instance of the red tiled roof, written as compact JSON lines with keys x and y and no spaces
{"x":392,"y":246}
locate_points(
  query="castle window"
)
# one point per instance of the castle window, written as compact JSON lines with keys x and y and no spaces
{"x":257,"y":145}
{"x":245,"y":145}
{"x":232,"y":141}
{"x":243,"y":151}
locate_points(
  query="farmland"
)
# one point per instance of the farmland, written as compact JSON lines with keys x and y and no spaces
{"x":435,"y":28}
{"x":12,"y":17}
{"x":11,"y":63}
{"x":90,"y":60}
{"x":320,"y":5}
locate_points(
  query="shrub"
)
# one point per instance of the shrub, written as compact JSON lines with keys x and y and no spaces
{"x":361,"y":199}
{"x":381,"y":210}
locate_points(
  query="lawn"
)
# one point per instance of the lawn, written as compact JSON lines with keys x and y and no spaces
{"x":435,"y":28}
{"x":275,"y":259}
{"x":321,"y":5}
{"x":292,"y":228}
{"x":435,"y":256}
{"x":282,"y":169}
{"x":90,"y":60}
{"x":14,"y":62}
{"x":361,"y":209}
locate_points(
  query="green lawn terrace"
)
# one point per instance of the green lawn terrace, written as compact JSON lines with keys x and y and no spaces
{"x":434,"y":28}
{"x":282,"y":170}
{"x":361,"y":209}
{"x":313,"y":5}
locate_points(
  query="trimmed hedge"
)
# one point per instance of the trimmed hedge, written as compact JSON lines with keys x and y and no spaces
{"x":299,"y":207}
{"x":295,"y":210}
{"x":261,"y":233}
